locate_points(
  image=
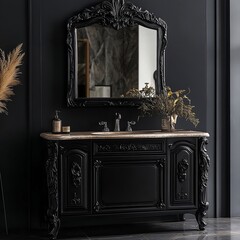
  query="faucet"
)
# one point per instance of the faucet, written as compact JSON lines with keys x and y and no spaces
{"x":129,"y":125}
{"x":105,"y":127}
{"x":117,"y":122}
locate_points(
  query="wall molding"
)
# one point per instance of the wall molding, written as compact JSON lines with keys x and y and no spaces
{"x":222,"y":194}
{"x":35,"y":107}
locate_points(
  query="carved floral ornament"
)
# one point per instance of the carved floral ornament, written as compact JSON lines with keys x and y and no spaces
{"x":76,"y":174}
{"x":182,"y":170}
{"x":114,"y":13}
{"x":129,"y":147}
{"x":76,"y":200}
{"x":118,"y":14}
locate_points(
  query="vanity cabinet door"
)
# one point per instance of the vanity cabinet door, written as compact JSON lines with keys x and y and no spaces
{"x":74,"y":179}
{"x":183,"y":162}
{"x":129,"y":183}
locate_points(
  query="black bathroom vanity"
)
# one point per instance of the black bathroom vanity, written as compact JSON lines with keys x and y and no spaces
{"x":125,"y":175}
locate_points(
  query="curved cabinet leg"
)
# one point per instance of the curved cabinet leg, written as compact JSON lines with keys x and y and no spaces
{"x":204,"y":163}
{"x":53,"y":225}
{"x":201,"y":212}
{"x":52,"y":184}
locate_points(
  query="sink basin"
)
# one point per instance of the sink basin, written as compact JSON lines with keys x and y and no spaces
{"x":110,"y":133}
{"x":125,"y":132}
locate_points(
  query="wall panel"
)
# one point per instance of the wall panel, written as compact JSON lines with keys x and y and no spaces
{"x":41,"y":25}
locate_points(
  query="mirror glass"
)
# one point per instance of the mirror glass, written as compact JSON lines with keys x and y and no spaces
{"x":110,"y":62}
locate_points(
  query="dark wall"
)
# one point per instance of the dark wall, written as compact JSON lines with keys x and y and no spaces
{"x":14,"y":162}
{"x":41,"y":26}
{"x":187,"y":39}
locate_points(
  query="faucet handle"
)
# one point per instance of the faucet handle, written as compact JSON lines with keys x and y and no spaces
{"x":118,"y":116}
{"x":129,"y":125}
{"x":105,"y":128}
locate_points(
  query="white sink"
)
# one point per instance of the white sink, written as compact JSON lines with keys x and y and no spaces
{"x":110,"y":133}
{"x":126,"y":132}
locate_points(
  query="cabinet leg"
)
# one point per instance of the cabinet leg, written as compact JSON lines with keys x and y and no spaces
{"x":201,"y":212}
{"x":53,"y":226}
{"x":204,"y":163}
{"x":52,"y":183}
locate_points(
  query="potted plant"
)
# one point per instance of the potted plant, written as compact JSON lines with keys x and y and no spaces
{"x":9,"y":71}
{"x":170,"y":105}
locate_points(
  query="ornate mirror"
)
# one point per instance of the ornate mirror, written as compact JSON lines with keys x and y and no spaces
{"x":113,"y":47}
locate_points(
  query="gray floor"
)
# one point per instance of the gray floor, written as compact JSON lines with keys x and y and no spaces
{"x":217,"y":229}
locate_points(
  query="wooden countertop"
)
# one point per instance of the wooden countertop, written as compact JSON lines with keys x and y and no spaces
{"x":122,"y":135}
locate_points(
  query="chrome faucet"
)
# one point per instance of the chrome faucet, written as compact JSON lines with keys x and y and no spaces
{"x":117,"y":122}
{"x":129,"y":125}
{"x":105,"y":127}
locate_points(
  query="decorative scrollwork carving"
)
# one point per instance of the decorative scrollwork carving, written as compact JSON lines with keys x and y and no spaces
{"x":161,"y":162}
{"x":97,"y":164}
{"x":76,"y":174}
{"x":182,"y":195}
{"x":204,"y":163}
{"x":182,"y":170}
{"x":76,"y":200}
{"x":117,"y":14}
{"x":52,"y":184}
{"x":161,"y":205}
{"x":129,"y":147}
{"x":97,"y":207}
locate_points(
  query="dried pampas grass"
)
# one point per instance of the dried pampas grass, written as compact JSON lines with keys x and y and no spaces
{"x":9,"y":71}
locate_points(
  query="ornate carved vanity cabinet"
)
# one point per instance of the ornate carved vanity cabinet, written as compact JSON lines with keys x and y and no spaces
{"x":124,"y":175}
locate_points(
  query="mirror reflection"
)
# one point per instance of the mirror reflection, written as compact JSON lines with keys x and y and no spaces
{"x":110,"y":62}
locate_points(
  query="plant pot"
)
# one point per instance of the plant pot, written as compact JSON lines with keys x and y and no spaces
{"x":168,"y":123}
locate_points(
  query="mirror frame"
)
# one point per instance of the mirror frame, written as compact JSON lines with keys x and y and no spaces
{"x":116,"y":14}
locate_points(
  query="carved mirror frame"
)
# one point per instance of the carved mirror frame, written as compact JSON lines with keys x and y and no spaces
{"x":117,"y":14}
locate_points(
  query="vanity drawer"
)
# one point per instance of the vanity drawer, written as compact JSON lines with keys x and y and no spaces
{"x":129,"y":147}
